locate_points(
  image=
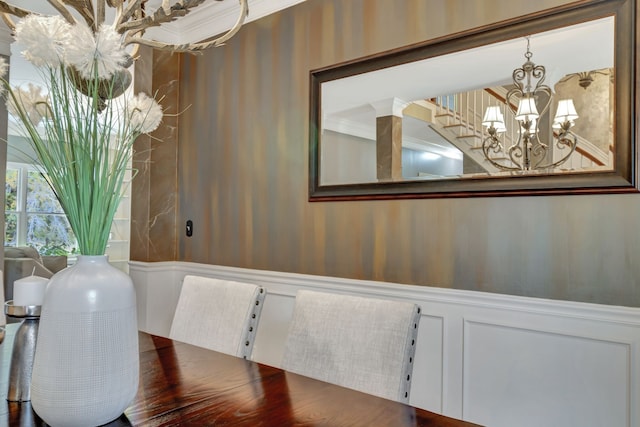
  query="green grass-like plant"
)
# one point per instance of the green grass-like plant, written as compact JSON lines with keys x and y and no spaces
{"x":84,"y":148}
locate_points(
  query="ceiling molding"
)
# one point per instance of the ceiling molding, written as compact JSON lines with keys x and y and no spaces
{"x":213,"y":18}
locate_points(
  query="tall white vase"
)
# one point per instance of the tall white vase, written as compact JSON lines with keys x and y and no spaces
{"x":86,"y":365}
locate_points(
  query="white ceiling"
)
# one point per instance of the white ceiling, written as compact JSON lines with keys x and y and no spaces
{"x":582,"y":47}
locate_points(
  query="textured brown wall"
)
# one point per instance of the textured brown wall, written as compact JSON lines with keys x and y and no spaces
{"x":154,"y":189}
{"x":243,"y":165}
{"x":595,"y":104}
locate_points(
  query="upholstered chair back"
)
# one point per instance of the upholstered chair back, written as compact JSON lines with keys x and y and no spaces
{"x":366,"y":344}
{"x":220,"y":315}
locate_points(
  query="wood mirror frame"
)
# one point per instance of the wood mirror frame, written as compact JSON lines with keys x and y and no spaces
{"x":621,"y":179}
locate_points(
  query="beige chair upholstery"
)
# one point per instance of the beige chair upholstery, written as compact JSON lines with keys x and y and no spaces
{"x":361,"y":343}
{"x":220,"y":315}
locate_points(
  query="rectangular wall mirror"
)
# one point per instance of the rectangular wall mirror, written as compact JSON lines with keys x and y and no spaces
{"x":541,"y":104}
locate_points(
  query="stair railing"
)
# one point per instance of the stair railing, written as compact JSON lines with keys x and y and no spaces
{"x":467,"y":110}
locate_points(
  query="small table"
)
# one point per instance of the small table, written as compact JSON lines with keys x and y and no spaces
{"x":184,"y":385}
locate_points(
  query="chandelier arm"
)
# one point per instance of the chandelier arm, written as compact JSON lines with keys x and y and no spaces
{"x":10,"y":9}
{"x":549,"y":93}
{"x":515,"y":152}
{"x":100,"y":13}
{"x":156,"y":44}
{"x":62,"y":9}
{"x":244,"y":12}
{"x":539,"y":72}
{"x":84,"y":8}
{"x":565,"y":139}
{"x":539,"y":152}
{"x":540,"y":148}
{"x":513,"y":92}
{"x":492,"y":143}
{"x":193,"y":47}
{"x":8,"y":21}
{"x":160,"y":16}
{"x":123,"y":15}
{"x":134,"y":52}
{"x":518,"y":76}
{"x":185,"y":47}
{"x":568,"y":139}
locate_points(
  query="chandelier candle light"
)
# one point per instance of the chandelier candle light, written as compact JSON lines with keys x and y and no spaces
{"x":529,"y":152}
{"x":81,"y":124}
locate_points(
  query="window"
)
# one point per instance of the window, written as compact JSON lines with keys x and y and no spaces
{"x":33,"y":215}
{"x":11,"y":207}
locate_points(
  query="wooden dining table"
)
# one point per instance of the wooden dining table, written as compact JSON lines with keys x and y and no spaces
{"x":184,"y":385}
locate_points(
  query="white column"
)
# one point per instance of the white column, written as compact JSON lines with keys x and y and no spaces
{"x":389,"y":138}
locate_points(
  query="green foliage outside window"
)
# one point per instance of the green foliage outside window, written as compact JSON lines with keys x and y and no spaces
{"x":11,"y":206}
{"x":46,"y":227}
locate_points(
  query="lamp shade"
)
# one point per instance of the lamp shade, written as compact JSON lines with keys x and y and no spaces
{"x":566,"y":111}
{"x":493,"y":117}
{"x":527,"y":109}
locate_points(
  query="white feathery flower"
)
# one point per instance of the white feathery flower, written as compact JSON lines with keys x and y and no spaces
{"x":32,"y":101}
{"x":44,"y":39}
{"x":88,"y":54}
{"x":144,"y":113}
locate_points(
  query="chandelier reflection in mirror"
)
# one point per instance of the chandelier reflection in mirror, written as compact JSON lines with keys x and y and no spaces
{"x":533,"y":98}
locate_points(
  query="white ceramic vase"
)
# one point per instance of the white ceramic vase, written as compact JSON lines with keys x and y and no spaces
{"x":86,"y":365}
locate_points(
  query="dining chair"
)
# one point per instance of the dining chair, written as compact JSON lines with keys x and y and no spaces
{"x":366,"y":344}
{"x":220,"y":315}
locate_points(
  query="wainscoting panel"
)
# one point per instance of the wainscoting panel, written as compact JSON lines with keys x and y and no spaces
{"x":552,"y":376}
{"x":428,"y":370}
{"x":492,"y":359}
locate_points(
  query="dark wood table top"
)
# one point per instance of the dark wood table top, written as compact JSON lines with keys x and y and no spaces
{"x":183,"y":385}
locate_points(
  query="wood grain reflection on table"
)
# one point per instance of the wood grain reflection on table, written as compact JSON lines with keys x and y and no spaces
{"x":184,"y":385}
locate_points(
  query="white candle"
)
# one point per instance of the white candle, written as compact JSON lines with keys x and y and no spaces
{"x":29,"y":290}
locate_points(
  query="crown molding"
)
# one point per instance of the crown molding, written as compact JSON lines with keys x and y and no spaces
{"x":213,"y":18}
